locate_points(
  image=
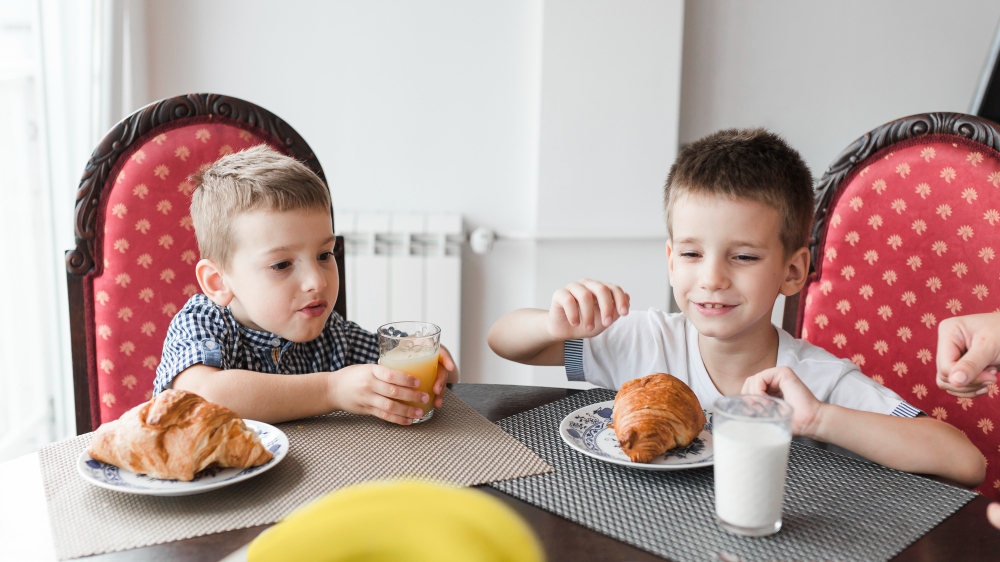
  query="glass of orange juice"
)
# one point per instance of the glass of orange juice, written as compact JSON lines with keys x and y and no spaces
{"x":412,"y":347}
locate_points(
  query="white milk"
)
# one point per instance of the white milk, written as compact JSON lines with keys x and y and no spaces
{"x":751,"y":460}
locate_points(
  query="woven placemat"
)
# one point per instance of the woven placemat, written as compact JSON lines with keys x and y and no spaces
{"x":836,"y":508}
{"x":457,"y":445}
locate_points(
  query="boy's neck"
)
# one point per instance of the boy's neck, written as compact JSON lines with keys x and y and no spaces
{"x":731,"y":362}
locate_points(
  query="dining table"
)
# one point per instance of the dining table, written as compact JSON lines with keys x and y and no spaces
{"x":25,"y":533}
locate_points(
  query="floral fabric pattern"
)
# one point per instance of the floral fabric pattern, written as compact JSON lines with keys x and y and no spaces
{"x":149,"y":251}
{"x":911,"y":240}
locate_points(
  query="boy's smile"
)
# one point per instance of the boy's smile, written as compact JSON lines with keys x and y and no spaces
{"x":283,"y":274}
{"x":727,"y":266}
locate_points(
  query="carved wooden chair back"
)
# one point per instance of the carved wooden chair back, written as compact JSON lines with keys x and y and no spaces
{"x":133,"y":265}
{"x":907,"y":233}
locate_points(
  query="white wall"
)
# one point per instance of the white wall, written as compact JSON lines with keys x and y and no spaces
{"x":500,"y":111}
{"x":558,"y":119}
{"x":608,"y":134}
{"x":610,"y":102}
{"x":410,"y":106}
{"x":822,"y":74}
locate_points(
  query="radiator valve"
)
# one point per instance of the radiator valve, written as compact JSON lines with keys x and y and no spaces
{"x":481,"y":240}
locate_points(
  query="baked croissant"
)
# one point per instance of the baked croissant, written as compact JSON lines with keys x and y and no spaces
{"x":175,"y":435}
{"x":655,"y":414}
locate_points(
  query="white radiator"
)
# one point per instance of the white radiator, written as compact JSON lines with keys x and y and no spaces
{"x":404,"y":267}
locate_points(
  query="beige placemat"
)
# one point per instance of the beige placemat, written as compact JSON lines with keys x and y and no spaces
{"x":457,"y":445}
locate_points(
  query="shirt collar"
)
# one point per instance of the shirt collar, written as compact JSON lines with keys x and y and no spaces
{"x":259,"y":337}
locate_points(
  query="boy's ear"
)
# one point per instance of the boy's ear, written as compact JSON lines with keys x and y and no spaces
{"x":213,"y":284}
{"x":796,"y":272}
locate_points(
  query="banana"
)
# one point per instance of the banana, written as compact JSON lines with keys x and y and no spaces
{"x":408,"y":520}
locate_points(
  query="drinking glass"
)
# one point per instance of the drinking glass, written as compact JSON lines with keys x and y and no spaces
{"x":412,"y":347}
{"x":751,"y":436}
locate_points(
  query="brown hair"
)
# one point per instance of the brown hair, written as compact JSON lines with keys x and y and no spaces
{"x":750,"y":164}
{"x":254,"y":179}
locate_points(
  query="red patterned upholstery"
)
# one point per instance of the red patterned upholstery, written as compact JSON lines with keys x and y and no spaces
{"x":149,"y":252}
{"x":912,"y":238}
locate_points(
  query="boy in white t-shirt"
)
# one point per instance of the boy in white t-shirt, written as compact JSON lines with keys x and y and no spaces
{"x":739,"y":206}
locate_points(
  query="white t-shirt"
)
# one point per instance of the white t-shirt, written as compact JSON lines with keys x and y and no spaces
{"x":654,"y":341}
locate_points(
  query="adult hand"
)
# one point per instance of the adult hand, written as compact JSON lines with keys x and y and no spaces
{"x":968,"y":353}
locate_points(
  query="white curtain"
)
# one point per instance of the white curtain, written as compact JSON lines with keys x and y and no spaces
{"x":70,"y":69}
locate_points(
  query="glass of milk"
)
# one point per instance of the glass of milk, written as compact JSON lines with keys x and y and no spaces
{"x":751,"y":436}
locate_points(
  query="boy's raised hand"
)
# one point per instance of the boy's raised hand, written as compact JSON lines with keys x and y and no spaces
{"x":782,"y":382}
{"x":447,"y":372}
{"x":373,"y":389}
{"x":585,"y":309}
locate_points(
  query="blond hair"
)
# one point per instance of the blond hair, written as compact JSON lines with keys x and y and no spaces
{"x":254,"y":179}
{"x":749,"y":164}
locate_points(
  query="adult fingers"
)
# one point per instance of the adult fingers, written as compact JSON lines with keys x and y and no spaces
{"x":950,"y":346}
{"x":976,"y":360}
{"x":968,"y":394}
{"x":993,"y":514}
{"x":973,"y":386}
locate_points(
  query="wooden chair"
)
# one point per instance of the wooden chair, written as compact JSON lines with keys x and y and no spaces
{"x":907,"y":233}
{"x":133,"y":265}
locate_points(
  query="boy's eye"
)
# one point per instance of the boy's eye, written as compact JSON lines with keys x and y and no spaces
{"x":690,"y":254}
{"x":281,"y":266}
{"x":326,"y":256}
{"x":746,"y":258}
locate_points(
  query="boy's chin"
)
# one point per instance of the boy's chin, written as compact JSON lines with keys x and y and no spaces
{"x":303,"y":337}
{"x":723,"y":331}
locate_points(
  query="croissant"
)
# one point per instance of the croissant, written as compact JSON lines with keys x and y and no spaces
{"x":655,"y":414}
{"x":175,"y":435}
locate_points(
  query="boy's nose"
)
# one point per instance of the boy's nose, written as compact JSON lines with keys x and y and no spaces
{"x":714,"y":276}
{"x":313,"y":280}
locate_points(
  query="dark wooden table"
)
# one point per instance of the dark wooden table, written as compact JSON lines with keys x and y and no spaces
{"x":965,"y":536}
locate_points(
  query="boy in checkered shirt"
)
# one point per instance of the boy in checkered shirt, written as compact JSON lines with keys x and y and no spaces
{"x":270,"y":280}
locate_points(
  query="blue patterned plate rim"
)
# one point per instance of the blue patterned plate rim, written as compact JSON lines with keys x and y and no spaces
{"x":123,"y":480}
{"x":587,"y":431}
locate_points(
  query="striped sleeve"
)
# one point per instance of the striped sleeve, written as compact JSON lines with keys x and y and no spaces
{"x":573,"y":359}
{"x":905,"y":410}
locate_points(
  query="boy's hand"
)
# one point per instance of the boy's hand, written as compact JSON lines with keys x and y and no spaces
{"x":782,"y":382}
{"x":584,"y":309}
{"x":374,"y":389}
{"x":967,"y":354}
{"x":447,"y":372}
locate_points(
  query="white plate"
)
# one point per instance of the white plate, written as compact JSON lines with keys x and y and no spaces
{"x":587,"y":431}
{"x":123,"y":480}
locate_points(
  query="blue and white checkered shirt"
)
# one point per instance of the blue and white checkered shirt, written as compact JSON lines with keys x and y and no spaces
{"x":204,"y":332}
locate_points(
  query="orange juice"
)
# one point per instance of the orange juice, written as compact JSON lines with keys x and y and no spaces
{"x":421,"y":364}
